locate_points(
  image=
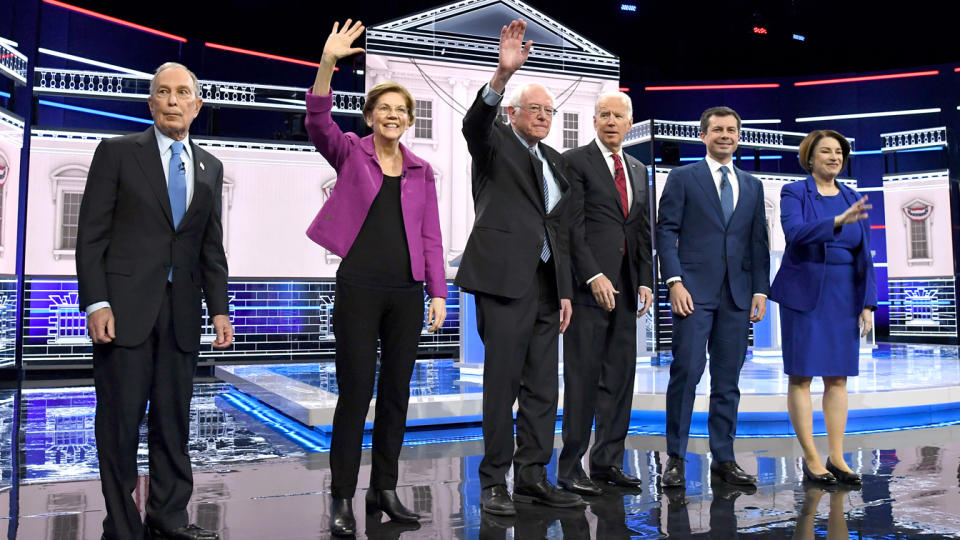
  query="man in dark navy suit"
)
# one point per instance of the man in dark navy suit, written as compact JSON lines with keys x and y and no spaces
{"x":714,"y":258}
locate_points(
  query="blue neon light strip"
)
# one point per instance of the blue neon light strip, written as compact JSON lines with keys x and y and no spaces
{"x":4,"y":94}
{"x":293,"y":430}
{"x":877,"y":152}
{"x":95,"y":111}
{"x":745,"y":158}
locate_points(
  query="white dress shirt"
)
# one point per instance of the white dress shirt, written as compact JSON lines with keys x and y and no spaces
{"x":731,"y":176}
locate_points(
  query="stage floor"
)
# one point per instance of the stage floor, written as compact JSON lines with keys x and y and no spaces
{"x":899,"y":386}
{"x":256,"y":480}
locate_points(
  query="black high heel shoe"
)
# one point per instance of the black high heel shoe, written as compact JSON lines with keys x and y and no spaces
{"x":387,"y":501}
{"x":844,"y":477}
{"x":342,"y":522}
{"x":826,"y":478}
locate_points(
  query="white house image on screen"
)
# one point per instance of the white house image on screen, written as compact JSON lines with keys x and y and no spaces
{"x":916,"y":218}
{"x":445,"y":55}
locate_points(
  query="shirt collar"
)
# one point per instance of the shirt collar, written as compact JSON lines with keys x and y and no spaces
{"x":715,"y":165}
{"x":165,"y":142}
{"x":535,"y":148}
{"x":606,"y":151}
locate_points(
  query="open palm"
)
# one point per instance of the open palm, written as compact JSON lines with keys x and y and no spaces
{"x":513,"y":51}
{"x":339,"y":42}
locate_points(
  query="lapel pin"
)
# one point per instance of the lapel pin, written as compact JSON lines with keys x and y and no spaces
{"x":202,"y":168}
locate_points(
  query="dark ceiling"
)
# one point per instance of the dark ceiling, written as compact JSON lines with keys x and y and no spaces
{"x":664,"y":41}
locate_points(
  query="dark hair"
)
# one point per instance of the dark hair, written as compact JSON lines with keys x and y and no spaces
{"x":717,"y":111}
{"x":385,"y":88}
{"x":810,"y":142}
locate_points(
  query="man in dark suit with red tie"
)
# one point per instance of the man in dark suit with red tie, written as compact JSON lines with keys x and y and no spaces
{"x":149,"y":248}
{"x":612,"y":264}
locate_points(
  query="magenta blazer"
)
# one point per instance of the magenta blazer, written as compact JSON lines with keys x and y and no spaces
{"x":358,"y":181}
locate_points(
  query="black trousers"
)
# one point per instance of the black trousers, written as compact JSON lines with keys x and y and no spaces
{"x":599,"y":364}
{"x":125,"y":379}
{"x":520,"y":364}
{"x":360,"y":316}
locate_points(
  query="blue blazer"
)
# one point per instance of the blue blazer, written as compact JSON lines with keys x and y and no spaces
{"x":800,"y":278}
{"x":694,"y":243}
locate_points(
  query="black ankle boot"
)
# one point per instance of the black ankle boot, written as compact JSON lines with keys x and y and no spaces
{"x":342,"y":522}
{"x":387,"y":501}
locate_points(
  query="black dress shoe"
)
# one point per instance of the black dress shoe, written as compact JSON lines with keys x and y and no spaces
{"x":617,"y":477}
{"x":387,"y":501}
{"x":187,"y":532}
{"x":581,"y":486}
{"x":496,"y":500}
{"x":731,"y":473}
{"x":544,"y":492}
{"x":342,"y":522}
{"x":673,"y":475}
{"x":844,"y":477}
{"x":825,"y":478}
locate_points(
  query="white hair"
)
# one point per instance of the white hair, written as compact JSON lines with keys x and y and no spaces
{"x":517,"y":94}
{"x":615,"y":94}
{"x":171,"y":65}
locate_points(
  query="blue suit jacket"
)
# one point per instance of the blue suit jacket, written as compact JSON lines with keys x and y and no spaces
{"x":800,"y":278}
{"x":694,"y":243}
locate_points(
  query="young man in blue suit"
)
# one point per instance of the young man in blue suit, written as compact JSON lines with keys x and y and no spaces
{"x":715,"y":260}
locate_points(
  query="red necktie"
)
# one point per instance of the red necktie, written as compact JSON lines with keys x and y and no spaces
{"x":620,"y":178}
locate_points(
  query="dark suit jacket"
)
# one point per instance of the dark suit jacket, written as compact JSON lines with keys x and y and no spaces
{"x":599,"y":234}
{"x":694,"y":243}
{"x":800,"y":279}
{"x":126,"y":242}
{"x":503,"y":250}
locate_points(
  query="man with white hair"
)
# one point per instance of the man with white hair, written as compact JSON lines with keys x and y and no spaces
{"x":149,"y":249}
{"x":612,"y":264}
{"x":516,"y":264}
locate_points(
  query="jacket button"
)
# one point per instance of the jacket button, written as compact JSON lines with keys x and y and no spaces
{"x":621,"y":251}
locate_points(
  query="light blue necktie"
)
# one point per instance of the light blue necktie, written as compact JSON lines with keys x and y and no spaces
{"x":545,"y":250}
{"x":177,"y":189}
{"x":726,"y":195}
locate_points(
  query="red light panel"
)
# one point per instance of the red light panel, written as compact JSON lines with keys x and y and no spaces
{"x":114,"y":20}
{"x":713,"y":87}
{"x":868,"y":78}
{"x":268,"y":56}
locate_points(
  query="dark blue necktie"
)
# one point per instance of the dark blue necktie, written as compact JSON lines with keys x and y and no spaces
{"x":726,"y":194}
{"x":177,"y":184}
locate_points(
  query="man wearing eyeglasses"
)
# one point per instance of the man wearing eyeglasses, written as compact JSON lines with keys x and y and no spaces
{"x":515,"y":253}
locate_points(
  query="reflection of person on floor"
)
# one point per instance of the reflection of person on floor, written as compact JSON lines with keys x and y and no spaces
{"x":714,"y":258}
{"x":806,"y":520}
{"x":723,"y":517}
{"x":149,"y":249}
{"x":535,"y":523}
{"x":826,"y":289}
{"x":383,"y":219}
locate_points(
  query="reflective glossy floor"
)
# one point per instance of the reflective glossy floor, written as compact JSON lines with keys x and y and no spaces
{"x":258,"y":477}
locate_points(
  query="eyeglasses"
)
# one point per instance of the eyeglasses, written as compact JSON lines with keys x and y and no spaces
{"x":386,"y":110}
{"x":535,"y":109}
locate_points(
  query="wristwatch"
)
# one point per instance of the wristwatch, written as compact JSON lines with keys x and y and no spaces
{"x":672,"y":283}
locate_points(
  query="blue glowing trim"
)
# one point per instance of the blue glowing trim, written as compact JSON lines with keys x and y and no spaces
{"x":95,"y":111}
{"x":798,"y":37}
{"x":628,"y":7}
{"x":877,"y":152}
{"x":4,"y":94}
{"x":291,"y":429}
{"x":744,"y":158}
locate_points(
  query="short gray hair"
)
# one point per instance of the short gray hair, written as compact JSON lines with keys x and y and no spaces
{"x":615,"y":94}
{"x":171,"y":65}
{"x":517,"y":94}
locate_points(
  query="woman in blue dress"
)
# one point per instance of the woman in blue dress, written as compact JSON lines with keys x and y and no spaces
{"x":827,"y":292}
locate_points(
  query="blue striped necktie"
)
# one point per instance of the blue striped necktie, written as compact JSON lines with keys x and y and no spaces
{"x":545,"y":250}
{"x":177,"y":184}
{"x":726,"y":194}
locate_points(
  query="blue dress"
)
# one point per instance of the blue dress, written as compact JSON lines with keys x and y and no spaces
{"x":825,"y":342}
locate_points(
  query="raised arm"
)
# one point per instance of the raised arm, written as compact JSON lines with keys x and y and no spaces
{"x":339,"y":45}
{"x":513,"y":54}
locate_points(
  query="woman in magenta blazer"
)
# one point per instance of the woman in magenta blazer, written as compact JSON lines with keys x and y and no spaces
{"x":382,"y":219}
{"x":827,"y":291}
